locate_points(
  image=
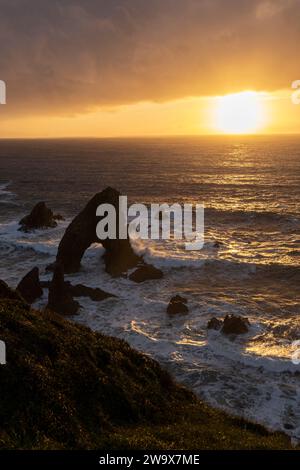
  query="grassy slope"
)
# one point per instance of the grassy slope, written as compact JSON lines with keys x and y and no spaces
{"x":65,"y":386}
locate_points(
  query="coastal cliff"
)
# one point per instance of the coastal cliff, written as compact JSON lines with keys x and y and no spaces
{"x":67,"y":387}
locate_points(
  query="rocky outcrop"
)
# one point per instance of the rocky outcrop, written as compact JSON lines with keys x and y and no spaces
{"x":177,"y":305}
{"x":214,"y":324}
{"x":7,"y":293}
{"x":95,"y":294}
{"x":235,"y":325}
{"x":30,"y":287}
{"x":40,"y":217}
{"x":231,"y":325}
{"x":80,"y":290}
{"x":145,"y":272}
{"x":60,"y":299}
{"x":81,"y":233}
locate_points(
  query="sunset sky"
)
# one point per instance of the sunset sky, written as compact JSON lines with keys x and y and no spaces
{"x":138,"y":67}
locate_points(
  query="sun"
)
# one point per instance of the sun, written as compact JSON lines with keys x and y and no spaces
{"x":239,"y":113}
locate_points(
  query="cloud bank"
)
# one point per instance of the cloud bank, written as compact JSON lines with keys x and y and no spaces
{"x":69,"y":56}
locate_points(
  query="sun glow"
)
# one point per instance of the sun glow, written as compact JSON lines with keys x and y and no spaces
{"x":240,"y":113}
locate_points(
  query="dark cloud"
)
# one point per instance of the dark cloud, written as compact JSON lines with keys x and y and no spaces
{"x":68,"y":56}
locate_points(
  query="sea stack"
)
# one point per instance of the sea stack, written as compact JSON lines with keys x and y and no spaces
{"x":119,"y":256}
{"x":41,"y":217}
{"x":29,"y":287}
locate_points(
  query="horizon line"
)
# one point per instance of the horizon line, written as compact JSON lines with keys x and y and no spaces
{"x":155,"y":136}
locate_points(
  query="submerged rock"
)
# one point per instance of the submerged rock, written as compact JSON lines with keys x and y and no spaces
{"x":217,"y":244}
{"x":235,"y":325}
{"x":177,"y":304}
{"x":146,"y":273}
{"x":214,"y":324}
{"x":30,"y":287}
{"x":40,"y":217}
{"x":60,"y":299}
{"x":80,"y":290}
{"x":231,"y":325}
{"x":95,"y":294}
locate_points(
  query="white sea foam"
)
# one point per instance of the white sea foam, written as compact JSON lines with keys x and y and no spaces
{"x":7,"y":196}
{"x":3,"y":188}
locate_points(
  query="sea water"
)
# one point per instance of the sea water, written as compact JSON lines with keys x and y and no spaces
{"x":249,"y":266}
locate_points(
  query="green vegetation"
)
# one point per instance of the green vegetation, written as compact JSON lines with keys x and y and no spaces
{"x":66,"y":387}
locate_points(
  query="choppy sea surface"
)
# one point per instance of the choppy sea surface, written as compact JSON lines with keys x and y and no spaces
{"x":250,"y":188}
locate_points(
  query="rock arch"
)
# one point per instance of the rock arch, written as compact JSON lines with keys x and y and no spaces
{"x":81,"y":233}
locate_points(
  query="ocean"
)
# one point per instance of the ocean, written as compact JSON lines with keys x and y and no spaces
{"x":250,"y":187}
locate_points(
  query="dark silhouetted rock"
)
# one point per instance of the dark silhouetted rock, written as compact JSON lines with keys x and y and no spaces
{"x":40,"y":217}
{"x":50,"y":268}
{"x":235,"y":325}
{"x":217,"y":244}
{"x":81,"y":233}
{"x":95,"y":294}
{"x":7,"y":293}
{"x":80,"y":290}
{"x":30,"y":287}
{"x":214,"y":324}
{"x":60,"y":299}
{"x":177,"y":305}
{"x":145,"y":273}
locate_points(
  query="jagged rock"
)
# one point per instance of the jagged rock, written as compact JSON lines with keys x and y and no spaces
{"x":79,"y":290}
{"x":235,"y":325}
{"x":214,"y":324}
{"x":60,"y":299}
{"x":145,"y":273}
{"x":95,"y":294}
{"x":30,"y":287}
{"x":7,"y":293}
{"x":176,"y":305}
{"x":81,"y":233}
{"x":40,"y":217}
